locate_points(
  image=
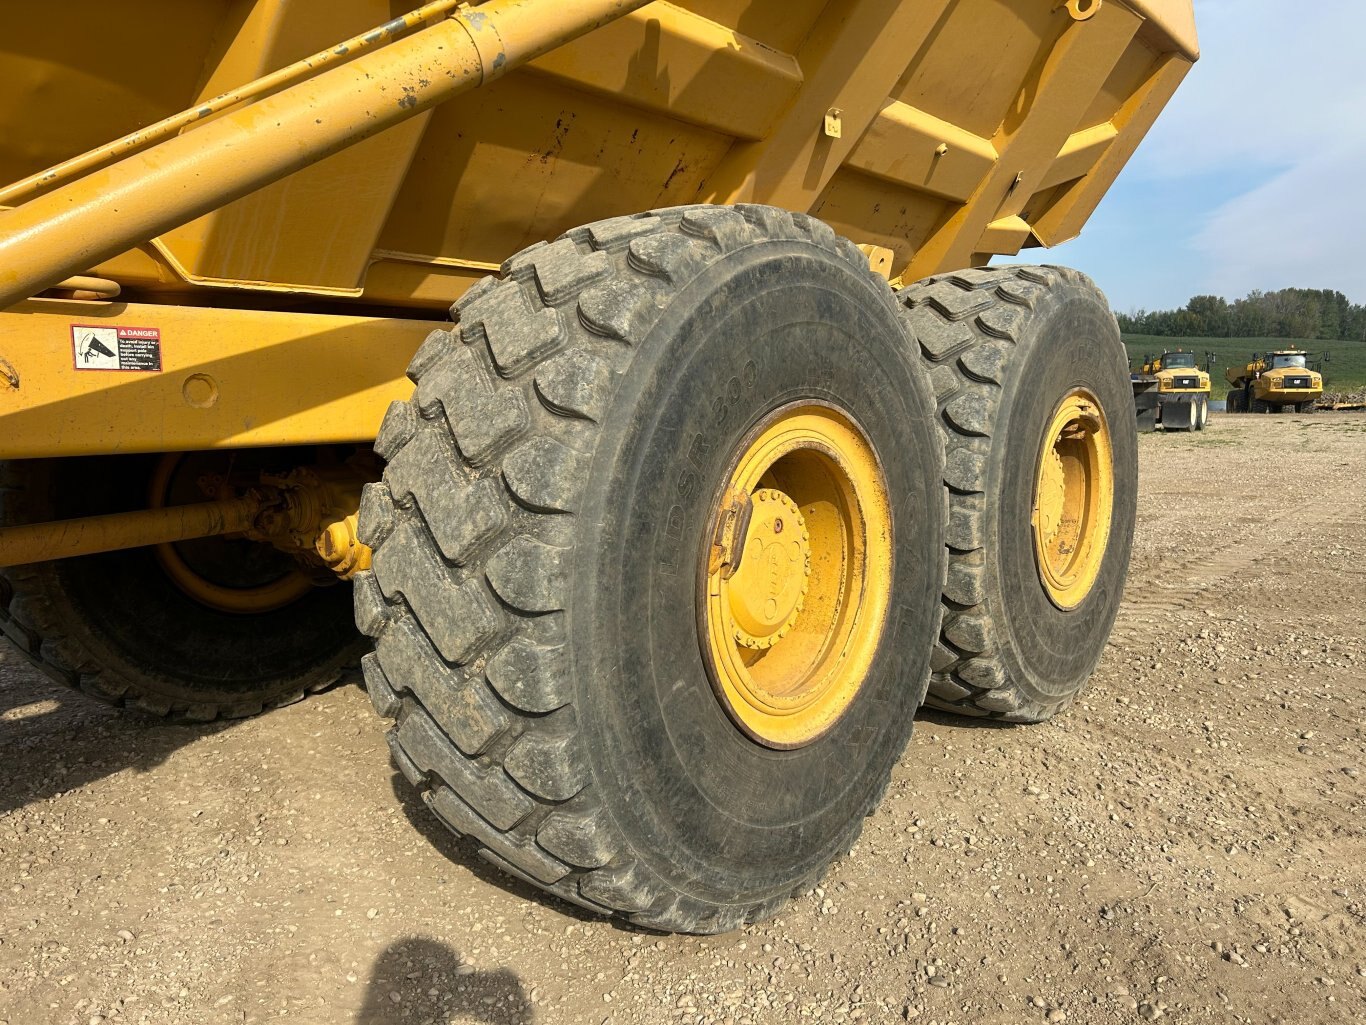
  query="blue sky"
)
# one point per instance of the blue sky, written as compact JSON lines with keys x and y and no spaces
{"x":1254,"y":176}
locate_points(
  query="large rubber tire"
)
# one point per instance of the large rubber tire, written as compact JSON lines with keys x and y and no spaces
{"x":1235,"y":402}
{"x":1261,"y":406}
{"x":1308,"y":407}
{"x":537,"y":539}
{"x":116,"y":628}
{"x":1004,"y":346}
{"x":1201,"y":413}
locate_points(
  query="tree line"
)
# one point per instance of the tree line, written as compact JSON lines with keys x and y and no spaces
{"x":1309,"y":313}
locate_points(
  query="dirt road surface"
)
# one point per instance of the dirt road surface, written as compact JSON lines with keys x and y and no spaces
{"x":1186,"y":844}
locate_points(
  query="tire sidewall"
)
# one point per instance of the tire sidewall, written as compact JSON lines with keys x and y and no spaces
{"x":1071,"y":342}
{"x":709,"y":810}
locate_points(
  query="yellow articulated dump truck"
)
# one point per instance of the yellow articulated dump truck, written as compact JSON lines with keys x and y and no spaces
{"x":1278,"y":382}
{"x":623,"y":386}
{"x":1171,"y":392}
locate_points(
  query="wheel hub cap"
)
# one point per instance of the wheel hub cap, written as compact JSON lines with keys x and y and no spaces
{"x":768,"y":589}
{"x":795,"y":583}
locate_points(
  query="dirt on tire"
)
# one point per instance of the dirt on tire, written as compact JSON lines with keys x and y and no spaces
{"x":1184,"y":844}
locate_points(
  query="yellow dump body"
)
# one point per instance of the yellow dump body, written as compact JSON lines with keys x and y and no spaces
{"x":946,"y":131}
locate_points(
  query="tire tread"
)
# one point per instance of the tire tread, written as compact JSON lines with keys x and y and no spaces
{"x":517,"y":415}
{"x":967,"y":324}
{"x":34,"y":614}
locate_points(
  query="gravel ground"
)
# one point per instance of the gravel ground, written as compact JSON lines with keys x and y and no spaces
{"x":1186,"y":844}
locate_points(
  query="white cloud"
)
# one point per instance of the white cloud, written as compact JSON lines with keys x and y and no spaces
{"x":1252,"y":176}
{"x":1277,"y":99}
{"x":1277,"y":82}
{"x":1302,"y":228}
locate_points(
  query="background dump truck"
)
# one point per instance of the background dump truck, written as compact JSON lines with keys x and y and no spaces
{"x":1170,"y":390}
{"x":731,"y":448}
{"x":1278,"y":382}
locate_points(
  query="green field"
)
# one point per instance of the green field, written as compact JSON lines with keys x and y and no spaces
{"x":1344,"y":371}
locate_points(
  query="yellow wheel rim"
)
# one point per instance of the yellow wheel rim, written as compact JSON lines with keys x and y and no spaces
{"x":1074,"y":494}
{"x":797,"y":575}
{"x":267,"y":597}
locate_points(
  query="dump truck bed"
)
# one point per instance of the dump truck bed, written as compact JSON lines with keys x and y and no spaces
{"x":946,"y":132}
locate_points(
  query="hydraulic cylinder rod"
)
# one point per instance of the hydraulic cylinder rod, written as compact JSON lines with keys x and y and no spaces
{"x":127,"y":203}
{"x":40,"y":542}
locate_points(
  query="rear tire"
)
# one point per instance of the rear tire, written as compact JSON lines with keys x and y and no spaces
{"x":115,"y":627}
{"x":537,"y":537}
{"x":1309,"y":407}
{"x":1003,"y":347}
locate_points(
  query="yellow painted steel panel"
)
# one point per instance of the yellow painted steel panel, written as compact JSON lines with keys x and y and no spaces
{"x":227,"y":378}
{"x":863,"y":207}
{"x":1000,"y":41}
{"x":910,"y":147}
{"x":668,"y":60}
{"x":779,"y":26}
{"x":1128,"y":76}
{"x":78,"y":76}
{"x":481,"y":190}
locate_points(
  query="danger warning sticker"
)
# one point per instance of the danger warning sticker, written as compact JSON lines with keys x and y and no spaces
{"x":116,"y":348}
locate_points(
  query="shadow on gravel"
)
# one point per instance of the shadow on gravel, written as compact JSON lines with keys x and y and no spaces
{"x":53,"y":739}
{"x":463,"y":851}
{"x":934,"y":717}
{"x":419,"y":979}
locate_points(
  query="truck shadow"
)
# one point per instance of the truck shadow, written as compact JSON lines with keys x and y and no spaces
{"x":928,"y":716}
{"x":421,"y":979}
{"x":53,"y":739}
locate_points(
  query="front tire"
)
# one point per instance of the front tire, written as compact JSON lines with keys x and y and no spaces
{"x":550,"y":497}
{"x":117,"y":627}
{"x":1011,"y":350}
